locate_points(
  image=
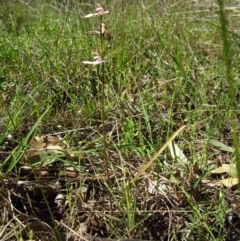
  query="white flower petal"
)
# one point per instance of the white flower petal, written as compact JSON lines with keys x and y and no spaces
{"x":95,"y":14}
{"x":93,"y":62}
{"x":90,"y":15}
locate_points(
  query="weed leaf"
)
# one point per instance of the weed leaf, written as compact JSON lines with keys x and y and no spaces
{"x":222,"y":146}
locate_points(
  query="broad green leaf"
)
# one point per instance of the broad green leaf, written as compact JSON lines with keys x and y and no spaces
{"x":221,"y":145}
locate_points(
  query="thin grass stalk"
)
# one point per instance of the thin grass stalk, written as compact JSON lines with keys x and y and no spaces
{"x":122,"y":35}
{"x":231,"y":83}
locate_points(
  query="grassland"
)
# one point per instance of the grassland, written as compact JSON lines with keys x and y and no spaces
{"x":168,"y":64}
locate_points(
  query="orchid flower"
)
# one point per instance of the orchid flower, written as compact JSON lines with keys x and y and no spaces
{"x":101,"y":30}
{"x":97,"y":59}
{"x":99,"y":11}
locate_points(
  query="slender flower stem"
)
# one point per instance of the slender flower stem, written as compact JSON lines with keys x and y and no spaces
{"x":105,"y":157}
{"x":102,"y":78}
